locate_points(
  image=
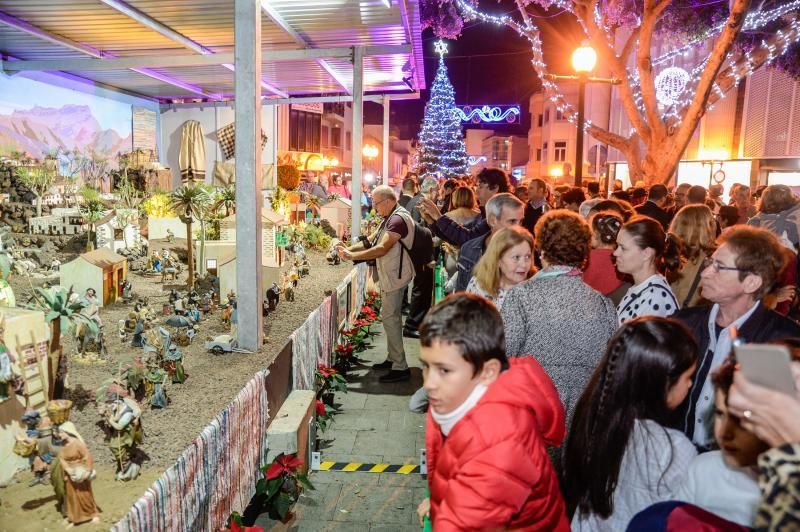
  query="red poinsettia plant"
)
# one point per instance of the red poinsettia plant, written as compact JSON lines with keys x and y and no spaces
{"x":324,"y":416}
{"x":368,"y":314}
{"x":281,"y":486}
{"x":343,"y":356}
{"x":329,"y":380}
{"x":373,"y":300}
{"x":235,"y":524}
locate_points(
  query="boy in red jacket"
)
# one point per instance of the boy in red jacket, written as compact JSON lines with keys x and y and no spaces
{"x":488,"y":424}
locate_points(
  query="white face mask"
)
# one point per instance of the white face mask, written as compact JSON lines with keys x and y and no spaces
{"x":446,"y":422}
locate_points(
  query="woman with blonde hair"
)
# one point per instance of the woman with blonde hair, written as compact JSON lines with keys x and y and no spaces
{"x":507,"y":262}
{"x":463,"y":208}
{"x":694,"y":225}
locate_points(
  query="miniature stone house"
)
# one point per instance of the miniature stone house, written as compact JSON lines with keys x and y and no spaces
{"x":337,"y":212}
{"x":59,"y":222}
{"x":101,"y":269}
{"x":118,"y":229}
{"x":24,"y":336}
{"x":271,"y":223}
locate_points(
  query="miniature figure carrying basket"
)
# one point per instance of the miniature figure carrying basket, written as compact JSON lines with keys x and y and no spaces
{"x":58,"y":410}
{"x":24,"y":447}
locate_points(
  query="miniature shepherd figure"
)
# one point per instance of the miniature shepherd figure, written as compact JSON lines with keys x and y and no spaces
{"x":77,"y":468}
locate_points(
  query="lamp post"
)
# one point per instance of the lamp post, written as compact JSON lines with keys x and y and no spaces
{"x":584,"y":59}
{"x":370,"y":152}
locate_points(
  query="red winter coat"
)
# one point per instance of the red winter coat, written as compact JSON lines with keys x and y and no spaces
{"x":493,"y":470}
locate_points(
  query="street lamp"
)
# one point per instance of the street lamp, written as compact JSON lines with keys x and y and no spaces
{"x":584,"y":59}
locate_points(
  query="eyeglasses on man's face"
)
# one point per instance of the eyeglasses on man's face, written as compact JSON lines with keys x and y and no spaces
{"x":717,"y":266}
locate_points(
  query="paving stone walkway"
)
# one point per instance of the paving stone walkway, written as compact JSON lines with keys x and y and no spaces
{"x":374,"y":426}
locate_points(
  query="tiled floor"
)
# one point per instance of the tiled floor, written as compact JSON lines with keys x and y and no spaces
{"x":374,"y":426}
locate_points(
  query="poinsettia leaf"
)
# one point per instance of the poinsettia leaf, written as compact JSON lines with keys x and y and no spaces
{"x":282,"y":504}
{"x":273,"y":486}
{"x":303,"y":479}
{"x":274,"y":471}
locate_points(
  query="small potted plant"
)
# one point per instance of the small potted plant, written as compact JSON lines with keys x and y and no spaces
{"x":324,"y":416}
{"x":344,"y":358}
{"x":236,"y":524}
{"x":281,"y":486}
{"x":329,"y":381}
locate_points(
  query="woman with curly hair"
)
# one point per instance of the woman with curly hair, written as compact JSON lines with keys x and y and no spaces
{"x":555,"y":316}
{"x":507,"y":261}
{"x":696,"y":229}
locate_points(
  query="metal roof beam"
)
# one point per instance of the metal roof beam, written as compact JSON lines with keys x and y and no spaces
{"x":109,"y":62}
{"x":85,"y":49}
{"x":162,"y":29}
{"x":378,"y":98}
{"x":276,"y":17}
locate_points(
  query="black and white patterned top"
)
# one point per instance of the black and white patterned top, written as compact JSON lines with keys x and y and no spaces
{"x":653,"y":297}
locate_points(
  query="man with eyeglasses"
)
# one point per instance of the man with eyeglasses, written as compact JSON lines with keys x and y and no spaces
{"x":744,"y":268}
{"x":395,"y":271}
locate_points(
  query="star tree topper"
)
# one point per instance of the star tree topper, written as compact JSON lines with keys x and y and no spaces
{"x":441,"y":48}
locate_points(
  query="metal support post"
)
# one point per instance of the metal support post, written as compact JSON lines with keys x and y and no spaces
{"x":386,"y":146}
{"x":579,"y":143}
{"x":358,"y":138}
{"x":249,"y":284}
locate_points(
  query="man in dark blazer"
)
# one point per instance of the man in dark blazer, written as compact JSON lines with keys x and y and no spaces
{"x":743,"y":269}
{"x":654,"y":206}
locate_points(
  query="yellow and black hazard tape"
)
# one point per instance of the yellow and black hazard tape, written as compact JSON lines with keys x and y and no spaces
{"x":352,"y":467}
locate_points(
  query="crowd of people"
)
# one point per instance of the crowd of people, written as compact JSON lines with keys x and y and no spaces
{"x":583,"y":372}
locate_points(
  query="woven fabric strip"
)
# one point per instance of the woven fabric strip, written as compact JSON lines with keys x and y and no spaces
{"x":215,"y":475}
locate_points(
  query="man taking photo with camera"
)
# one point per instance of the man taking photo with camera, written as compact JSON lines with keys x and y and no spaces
{"x":395,"y":271}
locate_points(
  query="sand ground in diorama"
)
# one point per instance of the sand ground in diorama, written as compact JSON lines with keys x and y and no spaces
{"x":34,"y":508}
{"x":213,"y":381}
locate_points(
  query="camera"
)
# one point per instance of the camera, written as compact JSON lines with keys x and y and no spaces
{"x":367,"y":244}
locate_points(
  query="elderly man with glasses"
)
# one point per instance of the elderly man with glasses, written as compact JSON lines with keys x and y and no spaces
{"x":744,"y":268}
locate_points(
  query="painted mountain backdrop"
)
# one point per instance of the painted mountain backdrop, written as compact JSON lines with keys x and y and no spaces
{"x":40,"y":130}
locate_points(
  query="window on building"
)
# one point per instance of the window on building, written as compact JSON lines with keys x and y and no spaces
{"x":560,"y":151}
{"x":304,"y":131}
{"x":559,"y":115}
{"x":546,"y":115}
{"x":541,"y":117}
{"x":544,"y":152}
{"x":538,"y":154}
{"x":349,"y":141}
{"x":500,"y":150}
{"x":336,"y":137}
{"x":325,"y":137}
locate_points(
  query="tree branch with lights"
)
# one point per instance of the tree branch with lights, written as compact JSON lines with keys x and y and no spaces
{"x":663,"y":103}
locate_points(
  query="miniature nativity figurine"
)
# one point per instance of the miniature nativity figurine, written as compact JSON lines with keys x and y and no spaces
{"x":123,"y":428}
{"x":75,"y":471}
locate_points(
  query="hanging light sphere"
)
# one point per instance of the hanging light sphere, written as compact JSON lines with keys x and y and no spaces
{"x":670,"y":83}
{"x":584,"y":58}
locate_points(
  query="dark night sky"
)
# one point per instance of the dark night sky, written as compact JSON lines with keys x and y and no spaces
{"x":488,"y":64}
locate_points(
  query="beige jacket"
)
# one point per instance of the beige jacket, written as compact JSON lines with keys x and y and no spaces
{"x":390,"y":276}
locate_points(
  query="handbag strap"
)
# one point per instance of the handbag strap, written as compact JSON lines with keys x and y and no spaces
{"x":693,"y":288}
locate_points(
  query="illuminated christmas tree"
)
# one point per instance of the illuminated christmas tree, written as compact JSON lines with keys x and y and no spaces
{"x":441,"y":140}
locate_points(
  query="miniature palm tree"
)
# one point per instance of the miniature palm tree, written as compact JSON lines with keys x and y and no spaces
{"x":92,"y":211}
{"x":226,"y":198}
{"x":190,"y":201}
{"x":63,"y":312}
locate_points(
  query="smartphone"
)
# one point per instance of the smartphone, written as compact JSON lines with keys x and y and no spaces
{"x":767,"y":365}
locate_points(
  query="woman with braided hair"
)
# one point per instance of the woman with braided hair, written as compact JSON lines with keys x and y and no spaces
{"x":620,"y":458}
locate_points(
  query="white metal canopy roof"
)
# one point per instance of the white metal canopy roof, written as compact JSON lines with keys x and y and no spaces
{"x":134,"y":38}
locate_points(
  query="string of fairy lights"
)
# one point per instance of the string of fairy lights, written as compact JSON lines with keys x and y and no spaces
{"x":672,"y":107}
